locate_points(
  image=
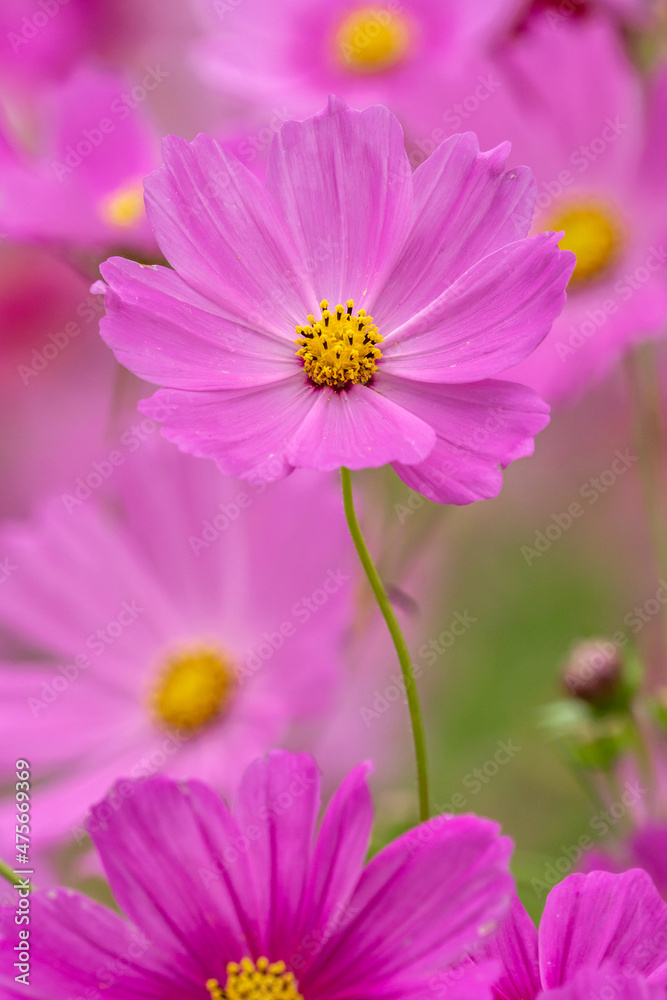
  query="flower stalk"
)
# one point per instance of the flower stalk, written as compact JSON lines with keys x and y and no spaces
{"x":418,"y":731}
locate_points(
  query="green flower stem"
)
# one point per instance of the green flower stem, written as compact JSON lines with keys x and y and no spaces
{"x":7,"y":873}
{"x":398,"y":639}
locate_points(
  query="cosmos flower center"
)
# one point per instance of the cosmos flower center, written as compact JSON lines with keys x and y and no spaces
{"x":594,"y":236}
{"x":340,"y":348}
{"x":250,"y":981}
{"x":125,"y":206}
{"x":194,"y":686}
{"x":371,"y":39}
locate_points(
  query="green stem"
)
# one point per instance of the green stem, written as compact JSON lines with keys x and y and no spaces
{"x":7,"y":873}
{"x":398,"y":639}
{"x":651,"y":444}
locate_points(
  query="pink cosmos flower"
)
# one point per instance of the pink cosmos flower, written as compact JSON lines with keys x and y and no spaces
{"x":83,"y":188}
{"x":574,"y":108}
{"x":427,"y":287}
{"x":293,"y":54}
{"x":162,"y":622}
{"x":250,"y":903}
{"x":597,"y":928}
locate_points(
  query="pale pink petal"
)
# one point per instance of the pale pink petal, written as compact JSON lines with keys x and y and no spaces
{"x":492,"y":317}
{"x":344,"y":183}
{"x":358,"y":428}
{"x":167,"y":333}
{"x":246,"y":432}
{"x":224,"y":235}
{"x":466,"y":205}
{"x":480,"y":427}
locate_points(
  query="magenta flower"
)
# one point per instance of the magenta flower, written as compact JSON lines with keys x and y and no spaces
{"x":248,"y":903}
{"x":426,"y":287}
{"x":164,"y":624}
{"x":84,"y":189}
{"x":597,"y":928}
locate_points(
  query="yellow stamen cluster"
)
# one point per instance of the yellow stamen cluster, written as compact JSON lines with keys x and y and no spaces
{"x":194,"y":686}
{"x":372,"y":39}
{"x":592,"y":233}
{"x":340,"y":348}
{"x":250,"y":981}
{"x":124,"y":207}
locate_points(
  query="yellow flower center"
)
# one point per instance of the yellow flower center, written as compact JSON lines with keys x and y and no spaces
{"x":339,"y":348}
{"x":125,"y":206}
{"x":195,"y":685}
{"x":371,"y":39}
{"x":594,"y":236}
{"x":260,"y":981}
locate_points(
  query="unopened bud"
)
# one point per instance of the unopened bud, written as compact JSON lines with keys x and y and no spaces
{"x":594,"y":673}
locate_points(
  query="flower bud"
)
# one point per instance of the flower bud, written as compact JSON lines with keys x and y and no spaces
{"x":594,"y":674}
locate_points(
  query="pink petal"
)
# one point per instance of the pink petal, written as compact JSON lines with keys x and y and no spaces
{"x":419,"y":903}
{"x":344,"y":183}
{"x":224,"y":235}
{"x":338,"y":861}
{"x":480,"y":427}
{"x":592,"y":919}
{"x":79,"y":948}
{"x":590,"y":983}
{"x":170,"y":852}
{"x":515,"y":945}
{"x":246,"y":432}
{"x":167,"y":333}
{"x":465,"y":207}
{"x":279,"y":800}
{"x":358,"y":428}
{"x":492,"y":317}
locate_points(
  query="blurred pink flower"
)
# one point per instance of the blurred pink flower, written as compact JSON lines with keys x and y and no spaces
{"x":457,"y":293}
{"x":81,"y":184}
{"x":166,"y":619}
{"x":214,"y":897}
{"x":645,"y":848}
{"x":292,"y":55}
{"x":574,"y":108}
{"x":45,"y":40}
{"x":56,"y":377}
